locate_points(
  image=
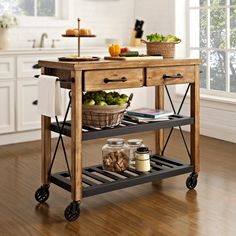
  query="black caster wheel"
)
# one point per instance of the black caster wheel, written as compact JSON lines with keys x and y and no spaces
{"x":191,"y":181}
{"x":42,"y":194}
{"x":72,"y":212}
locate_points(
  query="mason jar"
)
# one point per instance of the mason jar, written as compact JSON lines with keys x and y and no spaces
{"x":133,"y":144}
{"x":142,"y":159}
{"x":115,"y":155}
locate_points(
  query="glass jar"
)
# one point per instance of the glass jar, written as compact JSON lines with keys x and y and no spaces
{"x":142,"y":159}
{"x":133,"y":144}
{"x":115,"y":154}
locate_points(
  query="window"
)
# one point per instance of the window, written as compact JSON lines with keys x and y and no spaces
{"x":212,"y":37}
{"x":37,"y":8}
{"x":40,"y":13}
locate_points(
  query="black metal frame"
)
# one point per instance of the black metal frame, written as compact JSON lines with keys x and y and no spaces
{"x":179,"y":110}
{"x":96,"y":180}
{"x":60,"y":129}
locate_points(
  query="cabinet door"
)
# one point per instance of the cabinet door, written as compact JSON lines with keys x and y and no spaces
{"x":7,"y":113}
{"x":7,"y":67}
{"x":28,"y":116}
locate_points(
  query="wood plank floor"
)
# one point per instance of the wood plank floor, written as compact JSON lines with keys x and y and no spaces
{"x":164,"y":209}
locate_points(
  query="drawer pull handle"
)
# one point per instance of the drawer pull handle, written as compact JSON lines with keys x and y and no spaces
{"x":35,"y":102}
{"x":123,"y":79}
{"x":177,"y":76}
{"x":36,"y":66}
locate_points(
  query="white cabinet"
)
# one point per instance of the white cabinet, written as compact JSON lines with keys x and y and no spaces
{"x":7,"y":106}
{"x":19,"y":118}
{"x":7,"y":67}
{"x":25,"y":65}
{"x":27,"y":114}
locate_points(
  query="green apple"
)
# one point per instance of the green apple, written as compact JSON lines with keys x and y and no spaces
{"x":90,"y":102}
{"x":102,"y":103}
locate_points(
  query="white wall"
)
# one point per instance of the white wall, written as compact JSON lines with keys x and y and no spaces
{"x":106,"y":18}
{"x":157,"y":14}
{"x":158,"y":17}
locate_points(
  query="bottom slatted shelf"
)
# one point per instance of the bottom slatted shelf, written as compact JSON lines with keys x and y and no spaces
{"x":97,"y":181}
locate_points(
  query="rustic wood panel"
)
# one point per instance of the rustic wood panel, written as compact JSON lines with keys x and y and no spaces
{"x":105,"y":64}
{"x":94,"y":80}
{"x":76,"y":137}
{"x":159,"y":104}
{"x":155,"y":75}
{"x":46,"y":148}
{"x":195,"y":128}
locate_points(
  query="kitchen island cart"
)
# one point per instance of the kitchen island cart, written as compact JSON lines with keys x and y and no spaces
{"x":111,"y":75}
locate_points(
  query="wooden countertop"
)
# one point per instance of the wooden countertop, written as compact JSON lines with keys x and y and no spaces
{"x":106,"y":64}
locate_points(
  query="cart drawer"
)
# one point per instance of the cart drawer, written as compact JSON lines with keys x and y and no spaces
{"x":113,"y":79}
{"x":170,"y":75}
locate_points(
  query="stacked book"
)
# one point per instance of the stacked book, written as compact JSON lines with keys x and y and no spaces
{"x":148,"y":114}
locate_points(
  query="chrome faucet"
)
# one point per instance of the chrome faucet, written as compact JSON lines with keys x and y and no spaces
{"x":43,"y":36}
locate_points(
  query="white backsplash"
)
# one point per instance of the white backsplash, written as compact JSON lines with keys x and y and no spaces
{"x":106,"y":18}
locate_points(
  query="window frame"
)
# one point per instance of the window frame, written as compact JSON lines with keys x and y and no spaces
{"x":207,"y":91}
{"x":64,"y":15}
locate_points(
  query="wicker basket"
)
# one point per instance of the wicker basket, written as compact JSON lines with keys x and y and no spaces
{"x":167,"y":50}
{"x":103,"y":116}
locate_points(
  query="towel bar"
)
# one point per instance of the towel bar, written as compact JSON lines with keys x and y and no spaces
{"x":61,"y":80}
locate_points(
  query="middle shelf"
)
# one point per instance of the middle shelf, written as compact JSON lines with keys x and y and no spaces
{"x":127,"y":126}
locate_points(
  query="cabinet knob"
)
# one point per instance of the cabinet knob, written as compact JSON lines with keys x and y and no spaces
{"x":35,"y":102}
{"x":36,"y":66}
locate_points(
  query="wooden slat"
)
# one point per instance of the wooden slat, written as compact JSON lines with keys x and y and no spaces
{"x":46,"y":148}
{"x":159,"y":104}
{"x":76,"y":138}
{"x":45,"y":145}
{"x":195,"y":128}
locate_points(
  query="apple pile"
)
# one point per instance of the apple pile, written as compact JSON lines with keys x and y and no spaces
{"x":102,"y":98}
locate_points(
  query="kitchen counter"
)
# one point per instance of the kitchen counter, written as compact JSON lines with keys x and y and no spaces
{"x":85,"y":50}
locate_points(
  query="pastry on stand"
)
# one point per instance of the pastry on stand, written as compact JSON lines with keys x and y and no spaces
{"x":78,"y":33}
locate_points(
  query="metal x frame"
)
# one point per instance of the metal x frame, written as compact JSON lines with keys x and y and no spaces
{"x":61,"y":139}
{"x":177,"y":113}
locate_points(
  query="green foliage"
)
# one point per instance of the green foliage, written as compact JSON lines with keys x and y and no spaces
{"x":161,"y":38}
{"x":218,"y":41}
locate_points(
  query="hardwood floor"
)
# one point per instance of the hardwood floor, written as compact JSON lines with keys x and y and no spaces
{"x":164,"y":209}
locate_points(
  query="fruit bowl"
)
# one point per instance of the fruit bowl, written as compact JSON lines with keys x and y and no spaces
{"x":103,"y":116}
{"x":99,"y":114}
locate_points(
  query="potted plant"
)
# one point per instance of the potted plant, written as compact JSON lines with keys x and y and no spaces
{"x":6,"y":21}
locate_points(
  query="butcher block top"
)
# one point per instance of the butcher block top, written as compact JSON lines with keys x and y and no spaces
{"x":106,"y":64}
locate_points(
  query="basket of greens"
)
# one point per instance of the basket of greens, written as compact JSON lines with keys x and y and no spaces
{"x":104,"y":109}
{"x":159,"y":44}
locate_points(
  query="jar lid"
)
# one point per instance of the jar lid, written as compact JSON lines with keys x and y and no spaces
{"x":115,"y":141}
{"x":135,"y":141}
{"x":142,"y":150}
